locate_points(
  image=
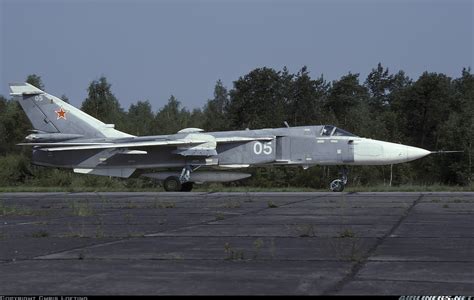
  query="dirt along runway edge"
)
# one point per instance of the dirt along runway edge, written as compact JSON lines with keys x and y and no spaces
{"x":237,"y":243}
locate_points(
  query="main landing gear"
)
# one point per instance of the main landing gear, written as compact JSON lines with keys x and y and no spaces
{"x":338,"y":185}
{"x":180,"y":183}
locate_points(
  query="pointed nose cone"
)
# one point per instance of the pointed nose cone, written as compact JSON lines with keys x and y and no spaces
{"x":415,"y":153}
{"x":373,"y":152}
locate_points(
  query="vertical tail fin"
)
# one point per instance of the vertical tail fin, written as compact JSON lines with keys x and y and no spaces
{"x":50,"y":114}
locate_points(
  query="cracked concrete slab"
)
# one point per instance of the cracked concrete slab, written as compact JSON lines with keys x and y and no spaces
{"x":236,"y":243}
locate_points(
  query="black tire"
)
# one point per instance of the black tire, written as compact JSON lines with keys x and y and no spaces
{"x":187,"y":186}
{"x":337,"y":185}
{"x":172,"y":184}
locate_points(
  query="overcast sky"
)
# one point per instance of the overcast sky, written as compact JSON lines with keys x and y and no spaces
{"x":152,"y":49}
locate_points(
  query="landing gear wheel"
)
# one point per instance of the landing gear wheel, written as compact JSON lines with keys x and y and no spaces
{"x":337,"y":185}
{"x":187,"y":186}
{"x":172,"y":184}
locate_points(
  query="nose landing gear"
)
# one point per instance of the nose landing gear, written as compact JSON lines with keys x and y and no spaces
{"x":338,"y":185}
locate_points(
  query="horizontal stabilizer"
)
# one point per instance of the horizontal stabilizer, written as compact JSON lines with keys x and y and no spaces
{"x":17,"y":89}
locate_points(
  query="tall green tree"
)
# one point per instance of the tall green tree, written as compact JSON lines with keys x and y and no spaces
{"x":307,"y":102}
{"x":196,"y":118}
{"x":140,"y":119}
{"x":102,"y":104}
{"x":214,"y":113}
{"x":36,"y":81}
{"x":348,"y":99}
{"x":457,"y":133}
{"x":14,"y":126}
{"x":257,"y":100}
{"x":65,"y":98}
{"x":383,"y":87}
{"x":422,"y":106}
{"x":379,"y":83}
{"x":172,"y":117}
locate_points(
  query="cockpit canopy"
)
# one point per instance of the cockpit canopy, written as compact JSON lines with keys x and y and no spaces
{"x":329,"y":130}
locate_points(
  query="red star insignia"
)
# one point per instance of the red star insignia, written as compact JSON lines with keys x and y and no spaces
{"x":61,"y":113}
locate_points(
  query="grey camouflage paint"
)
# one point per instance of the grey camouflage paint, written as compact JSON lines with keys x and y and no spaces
{"x":305,"y":145}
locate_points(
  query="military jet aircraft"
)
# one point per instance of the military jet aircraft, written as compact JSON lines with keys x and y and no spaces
{"x":66,"y":137}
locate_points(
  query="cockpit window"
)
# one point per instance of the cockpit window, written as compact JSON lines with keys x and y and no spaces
{"x":327,"y":130}
{"x":340,"y":132}
{"x":330,"y":130}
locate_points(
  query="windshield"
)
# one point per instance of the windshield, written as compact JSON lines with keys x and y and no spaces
{"x":330,"y":130}
{"x":340,"y":132}
{"x":327,"y":130}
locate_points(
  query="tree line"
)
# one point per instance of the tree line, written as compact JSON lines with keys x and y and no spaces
{"x":435,"y":112}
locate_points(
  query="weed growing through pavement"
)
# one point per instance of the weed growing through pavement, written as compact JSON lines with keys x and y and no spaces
{"x":128,"y":218}
{"x":233,"y":204}
{"x":74,"y":233}
{"x":347,"y":233}
{"x":347,"y":246}
{"x":272,"y":248}
{"x":130,"y":206}
{"x":163,"y":204}
{"x":272,"y":205}
{"x":81,"y":209}
{"x":11,"y":210}
{"x":305,"y":230}
{"x":99,"y":233}
{"x":233,"y":254}
{"x":220,"y":217}
{"x":40,"y":234}
{"x":457,"y":200}
{"x":257,"y":245}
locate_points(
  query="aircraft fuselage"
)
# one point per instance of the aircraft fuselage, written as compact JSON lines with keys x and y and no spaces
{"x":304,"y":146}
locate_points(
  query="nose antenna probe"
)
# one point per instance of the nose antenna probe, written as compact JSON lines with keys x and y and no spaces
{"x":443,"y":151}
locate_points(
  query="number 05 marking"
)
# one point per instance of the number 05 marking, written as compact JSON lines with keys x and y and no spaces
{"x":265,"y":148}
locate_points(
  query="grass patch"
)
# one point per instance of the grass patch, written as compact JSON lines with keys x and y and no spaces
{"x":12,"y":210}
{"x":82,"y":209}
